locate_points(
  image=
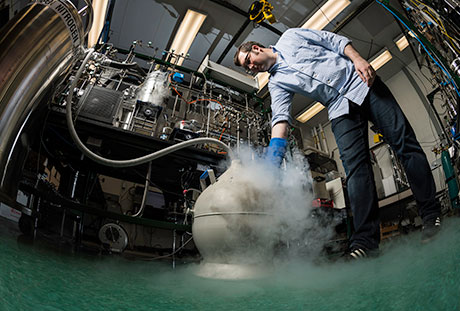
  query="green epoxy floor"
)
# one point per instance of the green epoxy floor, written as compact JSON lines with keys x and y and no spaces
{"x":407,"y":276}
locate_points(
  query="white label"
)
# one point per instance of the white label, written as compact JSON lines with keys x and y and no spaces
{"x":9,"y":213}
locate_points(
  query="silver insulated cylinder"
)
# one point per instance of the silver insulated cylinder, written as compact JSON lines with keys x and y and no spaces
{"x":37,"y":47}
{"x":151,"y":91}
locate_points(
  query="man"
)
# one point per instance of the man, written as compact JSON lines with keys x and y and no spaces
{"x":325,"y":67}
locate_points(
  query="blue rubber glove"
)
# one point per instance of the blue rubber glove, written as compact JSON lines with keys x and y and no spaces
{"x":276,"y":151}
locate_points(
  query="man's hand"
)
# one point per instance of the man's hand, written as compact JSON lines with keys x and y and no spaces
{"x":276,"y":151}
{"x":363,"y":68}
{"x":365,"y":71}
{"x":278,"y":144}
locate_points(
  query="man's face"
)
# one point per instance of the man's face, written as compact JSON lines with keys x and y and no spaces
{"x":256,"y":60}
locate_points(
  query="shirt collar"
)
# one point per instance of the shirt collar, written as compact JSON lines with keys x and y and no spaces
{"x":275,"y":66}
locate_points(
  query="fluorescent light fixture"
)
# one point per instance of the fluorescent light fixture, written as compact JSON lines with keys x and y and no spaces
{"x":99,"y":9}
{"x":326,"y":14}
{"x":402,"y":43}
{"x":187,"y":32}
{"x":381,"y":59}
{"x":310,"y":112}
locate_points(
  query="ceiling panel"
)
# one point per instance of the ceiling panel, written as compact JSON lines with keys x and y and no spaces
{"x":375,"y":26}
{"x":153,"y":22}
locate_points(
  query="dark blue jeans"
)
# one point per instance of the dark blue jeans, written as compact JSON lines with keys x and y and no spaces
{"x":351,"y":134}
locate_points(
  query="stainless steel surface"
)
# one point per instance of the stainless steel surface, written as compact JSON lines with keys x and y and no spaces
{"x":36,"y":48}
{"x":233,"y":222}
{"x":146,"y":90}
{"x":456,"y":66}
{"x":229,"y":76}
{"x":89,"y":13}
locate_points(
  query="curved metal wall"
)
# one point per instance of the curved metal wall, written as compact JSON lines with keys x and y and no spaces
{"x":36,"y":47}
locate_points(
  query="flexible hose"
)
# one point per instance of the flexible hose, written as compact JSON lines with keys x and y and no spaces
{"x":131,"y":162}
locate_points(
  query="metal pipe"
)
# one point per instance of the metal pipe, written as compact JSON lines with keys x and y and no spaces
{"x":174,"y":239}
{"x":315,"y":139}
{"x":320,"y":141}
{"x":132,"y":162}
{"x":140,"y":212}
{"x":323,"y":138}
{"x":249,"y":133}
{"x":174,"y":107}
{"x":74,"y":185}
{"x":62,"y":223}
{"x":238,"y":133}
{"x":209,"y":118}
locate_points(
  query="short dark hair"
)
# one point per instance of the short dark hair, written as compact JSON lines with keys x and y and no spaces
{"x":245,"y":47}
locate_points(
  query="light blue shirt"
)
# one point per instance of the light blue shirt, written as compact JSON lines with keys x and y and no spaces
{"x":312,"y":63}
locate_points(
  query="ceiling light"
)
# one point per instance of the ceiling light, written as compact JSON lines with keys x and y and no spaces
{"x":310,"y":112}
{"x":326,"y":14}
{"x":402,"y":43}
{"x":187,"y":32}
{"x":381,"y":59}
{"x":99,"y":10}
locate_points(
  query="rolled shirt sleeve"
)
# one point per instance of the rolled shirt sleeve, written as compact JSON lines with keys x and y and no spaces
{"x":281,"y":104}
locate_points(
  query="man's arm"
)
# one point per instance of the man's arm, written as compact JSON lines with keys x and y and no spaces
{"x":281,"y":108}
{"x":363,"y":68}
{"x":280,"y":130}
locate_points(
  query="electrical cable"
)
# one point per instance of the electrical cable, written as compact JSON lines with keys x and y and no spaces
{"x":439,"y":21}
{"x":223,"y":130}
{"x":193,"y":189}
{"x":131,"y":162}
{"x":378,"y":44}
{"x":193,"y":101}
{"x":424,"y":47}
{"x":380,"y":47}
{"x":197,"y":100}
{"x":415,"y":74}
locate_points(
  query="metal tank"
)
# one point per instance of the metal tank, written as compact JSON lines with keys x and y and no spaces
{"x":37,"y":47}
{"x":234,"y":227}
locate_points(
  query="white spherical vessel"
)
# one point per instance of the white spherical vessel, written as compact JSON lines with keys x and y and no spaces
{"x":233,"y":227}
